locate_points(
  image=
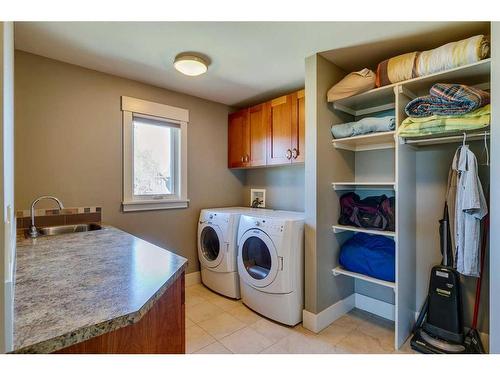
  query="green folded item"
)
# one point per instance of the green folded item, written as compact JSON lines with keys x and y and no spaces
{"x":433,"y":125}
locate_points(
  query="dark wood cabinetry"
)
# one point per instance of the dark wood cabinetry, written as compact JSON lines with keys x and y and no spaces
{"x":160,"y":331}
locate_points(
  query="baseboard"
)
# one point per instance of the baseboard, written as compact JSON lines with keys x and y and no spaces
{"x":317,"y":322}
{"x":384,"y":309}
{"x":193,"y":278}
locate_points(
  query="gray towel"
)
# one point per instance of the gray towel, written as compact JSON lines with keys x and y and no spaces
{"x":364,"y":126}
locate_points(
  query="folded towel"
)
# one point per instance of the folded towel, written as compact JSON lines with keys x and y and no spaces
{"x":447,"y":99}
{"x":364,"y":126}
{"x":434,"y":125}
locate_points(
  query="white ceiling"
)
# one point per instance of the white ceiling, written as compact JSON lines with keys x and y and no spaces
{"x":250,"y":61}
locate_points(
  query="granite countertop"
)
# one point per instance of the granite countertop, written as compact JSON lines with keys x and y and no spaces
{"x":72,"y":287}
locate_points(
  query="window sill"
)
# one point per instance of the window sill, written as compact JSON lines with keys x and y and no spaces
{"x":148,"y":205}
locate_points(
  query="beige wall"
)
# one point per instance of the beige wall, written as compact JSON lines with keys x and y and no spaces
{"x":68,"y":143}
{"x":284,"y":186}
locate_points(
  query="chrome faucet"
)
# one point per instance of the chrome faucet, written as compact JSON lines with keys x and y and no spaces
{"x":33,"y":232}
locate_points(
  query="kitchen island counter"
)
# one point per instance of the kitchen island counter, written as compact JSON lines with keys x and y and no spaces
{"x":74,"y":287}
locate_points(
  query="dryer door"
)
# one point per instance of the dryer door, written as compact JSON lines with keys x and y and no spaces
{"x":210,"y":245}
{"x":258,"y":261}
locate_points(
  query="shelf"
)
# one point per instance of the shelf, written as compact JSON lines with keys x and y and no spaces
{"x":341,"y":271}
{"x":363,"y":185}
{"x":376,"y":100}
{"x":383,"y":98}
{"x":366,"y":142}
{"x":437,"y":140}
{"x":472,"y":74}
{"x":348,"y":228}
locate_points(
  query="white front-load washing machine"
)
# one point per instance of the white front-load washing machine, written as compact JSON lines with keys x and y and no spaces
{"x":217,"y":247}
{"x":271,"y":264}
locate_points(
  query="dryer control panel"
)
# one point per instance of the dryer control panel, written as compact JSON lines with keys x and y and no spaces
{"x":268,"y":225}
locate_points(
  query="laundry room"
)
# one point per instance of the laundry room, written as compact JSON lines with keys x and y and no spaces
{"x":331,"y":196}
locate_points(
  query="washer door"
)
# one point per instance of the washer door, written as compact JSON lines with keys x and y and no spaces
{"x":210,"y":245}
{"x":257,"y":258}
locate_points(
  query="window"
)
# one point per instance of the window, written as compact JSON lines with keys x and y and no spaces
{"x":154,"y":155}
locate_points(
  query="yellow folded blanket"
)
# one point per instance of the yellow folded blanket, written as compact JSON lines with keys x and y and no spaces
{"x":433,"y":125}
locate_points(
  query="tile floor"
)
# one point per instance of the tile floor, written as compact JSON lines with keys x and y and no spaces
{"x":218,"y":325}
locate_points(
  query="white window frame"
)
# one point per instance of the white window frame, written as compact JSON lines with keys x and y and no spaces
{"x":161,"y":112}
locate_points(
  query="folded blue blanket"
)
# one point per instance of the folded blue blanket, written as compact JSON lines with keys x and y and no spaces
{"x":447,"y":99}
{"x":370,"y":255}
{"x":364,"y":126}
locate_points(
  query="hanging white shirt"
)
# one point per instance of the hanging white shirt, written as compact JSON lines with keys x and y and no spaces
{"x":470,"y":208}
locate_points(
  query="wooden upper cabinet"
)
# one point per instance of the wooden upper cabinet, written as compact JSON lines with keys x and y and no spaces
{"x":237,"y":139}
{"x":271,"y":133}
{"x":280,"y":130}
{"x":298,"y":127}
{"x":257,"y":124}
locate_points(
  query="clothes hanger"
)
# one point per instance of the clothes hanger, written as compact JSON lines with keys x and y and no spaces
{"x":485,"y":151}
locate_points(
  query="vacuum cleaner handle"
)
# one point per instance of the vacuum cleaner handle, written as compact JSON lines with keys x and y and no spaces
{"x":421,"y":316}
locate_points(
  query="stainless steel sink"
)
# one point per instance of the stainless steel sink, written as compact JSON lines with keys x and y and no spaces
{"x":65,"y":229}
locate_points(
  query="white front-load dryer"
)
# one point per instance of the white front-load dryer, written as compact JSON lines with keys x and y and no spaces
{"x":217,"y":248}
{"x":271,"y":264}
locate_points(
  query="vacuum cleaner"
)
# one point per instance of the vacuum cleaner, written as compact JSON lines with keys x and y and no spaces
{"x":439,"y":327}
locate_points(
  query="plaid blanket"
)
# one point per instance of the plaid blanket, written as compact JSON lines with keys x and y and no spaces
{"x":448,"y":99}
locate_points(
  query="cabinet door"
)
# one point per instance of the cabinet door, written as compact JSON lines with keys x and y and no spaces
{"x":279,"y":131}
{"x":298,"y":127}
{"x":257,"y":124}
{"x":237,"y":138}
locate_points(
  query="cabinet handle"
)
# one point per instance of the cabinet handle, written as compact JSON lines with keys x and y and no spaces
{"x":242,"y":159}
{"x":295,"y":153}
{"x":288,"y":154}
{"x":247,"y":158}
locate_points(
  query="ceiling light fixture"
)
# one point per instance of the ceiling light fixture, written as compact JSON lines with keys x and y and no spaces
{"x":190,"y":64}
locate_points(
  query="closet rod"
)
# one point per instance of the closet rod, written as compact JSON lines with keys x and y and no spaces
{"x":447,"y":139}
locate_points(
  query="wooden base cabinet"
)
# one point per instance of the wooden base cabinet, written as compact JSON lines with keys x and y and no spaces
{"x":160,"y":331}
{"x":270,"y":133}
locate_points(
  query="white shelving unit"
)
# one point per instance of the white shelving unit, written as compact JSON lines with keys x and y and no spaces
{"x":341,"y":271}
{"x":348,"y":228}
{"x":404,"y":184}
{"x":363,"y":185}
